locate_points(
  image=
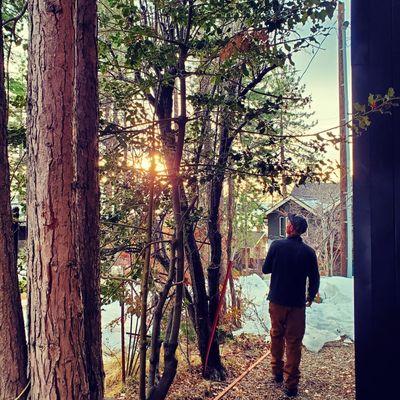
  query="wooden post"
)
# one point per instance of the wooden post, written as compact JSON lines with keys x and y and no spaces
{"x":343,"y":141}
{"x":282,"y":159}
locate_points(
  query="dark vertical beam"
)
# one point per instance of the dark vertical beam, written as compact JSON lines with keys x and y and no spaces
{"x":376,"y":67}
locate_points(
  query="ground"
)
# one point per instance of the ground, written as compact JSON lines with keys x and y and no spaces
{"x":327,"y":375}
{"x":328,"y":356}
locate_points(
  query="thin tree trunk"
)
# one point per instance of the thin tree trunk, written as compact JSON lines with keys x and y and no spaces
{"x":214,"y":236}
{"x":171,"y":342}
{"x":229,"y":239}
{"x":200,"y":297}
{"x":224,"y":261}
{"x":58,"y":366}
{"x":173,"y":154}
{"x":165,"y":262}
{"x":123,"y":362}
{"x":145,"y":286}
{"x":13,"y":353}
{"x":87,"y":186}
{"x":156,"y":330}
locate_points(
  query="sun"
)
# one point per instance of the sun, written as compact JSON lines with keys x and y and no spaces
{"x":145,"y":163}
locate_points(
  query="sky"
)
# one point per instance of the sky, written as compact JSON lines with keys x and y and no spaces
{"x":321,"y":79}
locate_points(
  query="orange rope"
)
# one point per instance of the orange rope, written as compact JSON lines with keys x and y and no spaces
{"x":239,"y":378}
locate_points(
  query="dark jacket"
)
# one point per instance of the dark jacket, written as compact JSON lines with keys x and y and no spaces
{"x":291,"y":262}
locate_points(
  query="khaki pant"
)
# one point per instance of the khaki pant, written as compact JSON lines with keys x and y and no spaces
{"x":288,"y":327}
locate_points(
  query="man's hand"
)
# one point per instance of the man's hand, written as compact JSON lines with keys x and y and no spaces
{"x":308,"y":303}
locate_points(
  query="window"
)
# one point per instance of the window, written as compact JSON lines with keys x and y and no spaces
{"x":282,"y":226}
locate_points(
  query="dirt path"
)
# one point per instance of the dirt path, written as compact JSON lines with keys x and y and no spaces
{"x":327,"y":375}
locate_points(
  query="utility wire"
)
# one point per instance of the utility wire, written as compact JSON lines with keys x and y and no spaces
{"x":316,"y":52}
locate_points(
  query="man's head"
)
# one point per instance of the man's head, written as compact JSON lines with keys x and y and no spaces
{"x":297,"y":225}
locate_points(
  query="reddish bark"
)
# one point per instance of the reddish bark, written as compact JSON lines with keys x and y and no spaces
{"x":56,"y":331}
{"x":13,"y":354}
{"x":87,"y":186}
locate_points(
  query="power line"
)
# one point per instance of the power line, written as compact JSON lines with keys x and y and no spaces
{"x":316,"y":52}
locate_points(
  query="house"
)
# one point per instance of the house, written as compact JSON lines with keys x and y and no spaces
{"x":319,"y":204}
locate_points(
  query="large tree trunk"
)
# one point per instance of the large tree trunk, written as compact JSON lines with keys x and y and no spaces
{"x":58,"y":367}
{"x":13,"y":353}
{"x":87,"y":186}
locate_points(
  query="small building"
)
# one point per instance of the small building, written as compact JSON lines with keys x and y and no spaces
{"x":276,"y":217}
{"x":319,"y":204}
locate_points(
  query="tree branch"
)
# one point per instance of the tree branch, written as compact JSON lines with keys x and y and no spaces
{"x":17,"y":17}
{"x":256,"y":80}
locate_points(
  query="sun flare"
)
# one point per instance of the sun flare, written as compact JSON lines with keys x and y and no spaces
{"x":145,"y":163}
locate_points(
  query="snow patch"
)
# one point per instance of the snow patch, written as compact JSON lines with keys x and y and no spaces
{"x":326,"y":322}
{"x":111,"y":326}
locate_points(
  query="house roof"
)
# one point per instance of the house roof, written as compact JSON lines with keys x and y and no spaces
{"x":311,"y":196}
{"x":285,"y":200}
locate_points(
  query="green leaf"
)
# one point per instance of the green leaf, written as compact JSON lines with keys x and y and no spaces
{"x":390,"y":92}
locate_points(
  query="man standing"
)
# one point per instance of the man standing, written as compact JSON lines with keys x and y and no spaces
{"x":291,"y":262}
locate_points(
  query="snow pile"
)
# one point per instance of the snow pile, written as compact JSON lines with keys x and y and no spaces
{"x":326,"y":322}
{"x":334,"y":317}
{"x":253,"y":291}
{"x":110,"y":326}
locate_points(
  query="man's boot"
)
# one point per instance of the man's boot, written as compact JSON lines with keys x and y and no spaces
{"x":291,"y":392}
{"x":278,"y":378}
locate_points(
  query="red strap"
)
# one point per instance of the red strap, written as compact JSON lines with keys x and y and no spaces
{"x":216,"y":317}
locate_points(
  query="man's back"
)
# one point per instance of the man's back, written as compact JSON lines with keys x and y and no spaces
{"x":291,"y":261}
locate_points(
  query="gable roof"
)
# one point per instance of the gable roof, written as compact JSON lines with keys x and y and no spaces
{"x":311,"y":196}
{"x":287,"y":199}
